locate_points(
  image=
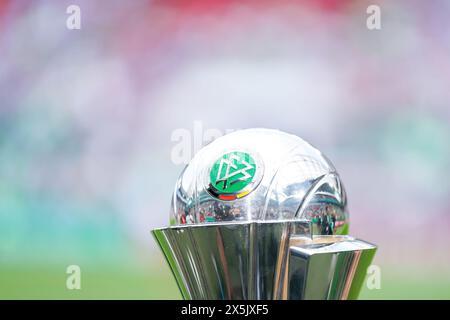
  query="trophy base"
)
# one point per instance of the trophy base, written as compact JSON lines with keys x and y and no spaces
{"x":264,"y":260}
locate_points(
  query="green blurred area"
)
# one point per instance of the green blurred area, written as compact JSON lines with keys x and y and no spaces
{"x":96,"y":283}
{"x":395,"y":285}
{"x":129,"y":283}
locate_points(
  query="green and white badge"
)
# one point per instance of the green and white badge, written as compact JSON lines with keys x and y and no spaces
{"x":234,"y":175}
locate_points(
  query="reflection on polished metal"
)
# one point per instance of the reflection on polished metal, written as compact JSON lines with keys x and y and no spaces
{"x":261,"y":214}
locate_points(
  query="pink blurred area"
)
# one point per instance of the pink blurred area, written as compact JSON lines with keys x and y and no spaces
{"x":87,"y":116}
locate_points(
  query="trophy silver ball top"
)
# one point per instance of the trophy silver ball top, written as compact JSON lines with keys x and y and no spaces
{"x":262,"y":214}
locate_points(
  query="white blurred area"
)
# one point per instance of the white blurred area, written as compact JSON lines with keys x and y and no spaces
{"x":87,"y":116}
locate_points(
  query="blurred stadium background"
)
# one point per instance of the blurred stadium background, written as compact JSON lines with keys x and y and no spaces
{"x":87,"y":118}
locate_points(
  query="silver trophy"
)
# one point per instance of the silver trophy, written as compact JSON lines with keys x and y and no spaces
{"x":261,"y":214}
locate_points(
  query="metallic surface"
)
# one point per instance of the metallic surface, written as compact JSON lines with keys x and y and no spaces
{"x":286,"y":238}
{"x":263,"y":260}
{"x":298,"y":181}
{"x":327,"y":268}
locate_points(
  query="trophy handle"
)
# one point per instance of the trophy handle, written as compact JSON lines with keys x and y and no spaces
{"x":325,"y":267}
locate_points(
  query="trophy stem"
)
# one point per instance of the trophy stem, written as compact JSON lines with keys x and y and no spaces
{"x":264,"y":260}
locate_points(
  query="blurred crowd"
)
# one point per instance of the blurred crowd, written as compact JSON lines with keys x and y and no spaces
{"x":86,"y":116}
